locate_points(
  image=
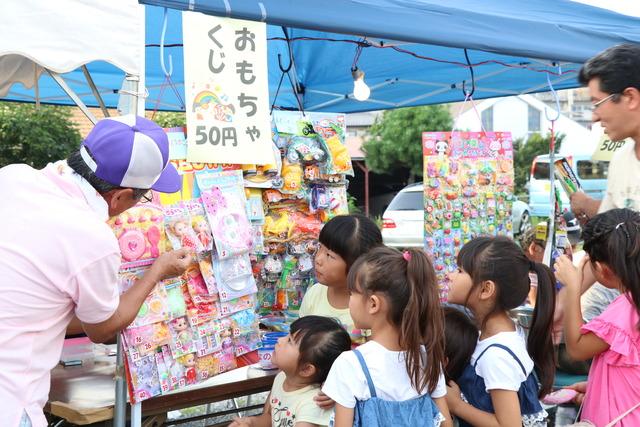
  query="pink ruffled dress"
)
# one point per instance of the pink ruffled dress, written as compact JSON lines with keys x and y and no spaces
{"x":614,"y":378}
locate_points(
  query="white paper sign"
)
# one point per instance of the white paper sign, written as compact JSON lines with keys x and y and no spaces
{"x":226,"y":89}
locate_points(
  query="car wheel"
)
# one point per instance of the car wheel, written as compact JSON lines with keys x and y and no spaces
{"x":525,"y":223}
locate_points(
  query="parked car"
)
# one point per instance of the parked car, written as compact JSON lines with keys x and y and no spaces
{"x":403,"y":221}
{"x":592,"y":176}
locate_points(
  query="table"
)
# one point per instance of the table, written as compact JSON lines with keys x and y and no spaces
{"x":85,"y":394}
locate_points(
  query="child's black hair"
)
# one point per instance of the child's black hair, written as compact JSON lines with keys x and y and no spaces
{"x":321,"y":340}
{"x":408,"y":282}
{"x":350,"y":236}
{"x":500,"y":260}
{"x":613,"y":238}
{"x":460,"y":340}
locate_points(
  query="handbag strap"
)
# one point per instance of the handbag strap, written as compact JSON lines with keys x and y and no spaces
{"x":624,"y":414}
{"x":372,"y":389}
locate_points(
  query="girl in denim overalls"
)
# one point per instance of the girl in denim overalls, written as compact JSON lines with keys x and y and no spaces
{"x":396,"y":378}
{"x":499,"y":384}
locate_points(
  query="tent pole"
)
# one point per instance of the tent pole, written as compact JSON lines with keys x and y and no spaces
{"x":119,"y":411}
{"x":58,"y":78}
{"x":137,"y":108}
{"x":94,"y":89}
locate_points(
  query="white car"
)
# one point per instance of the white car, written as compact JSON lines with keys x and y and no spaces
{"x":403,"y":221}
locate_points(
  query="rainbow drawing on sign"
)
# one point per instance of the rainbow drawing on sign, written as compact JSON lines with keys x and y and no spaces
{"x":208,"y":103}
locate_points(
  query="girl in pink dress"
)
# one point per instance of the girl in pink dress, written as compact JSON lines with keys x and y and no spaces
{"x":612,"y":242}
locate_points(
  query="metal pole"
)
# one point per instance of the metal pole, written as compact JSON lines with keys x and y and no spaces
{"x":119,"y":412}
{"x":137,"y":107}
{"x":58,"y":78}
{"x":95,"y":91}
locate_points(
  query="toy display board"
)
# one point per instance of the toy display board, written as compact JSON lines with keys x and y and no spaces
{"x":309,"y":190}
{"x":468,"y":187}
{"x":254,"y":230}
{"x":195,"y":326}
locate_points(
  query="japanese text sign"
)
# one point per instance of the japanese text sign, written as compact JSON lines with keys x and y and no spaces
{"x":226,"y":89}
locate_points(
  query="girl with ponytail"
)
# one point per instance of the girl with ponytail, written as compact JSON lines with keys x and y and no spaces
{"x":396,"y":378}
{"x":499,"y":383}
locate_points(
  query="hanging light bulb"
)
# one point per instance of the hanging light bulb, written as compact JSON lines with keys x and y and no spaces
{"x":361,"y":91}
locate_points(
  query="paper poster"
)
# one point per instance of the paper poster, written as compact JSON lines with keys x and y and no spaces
{"x":177,"y":143}
{"x":606,"y":148}
{"x":468,"y":185}
{"x":226,"y":89}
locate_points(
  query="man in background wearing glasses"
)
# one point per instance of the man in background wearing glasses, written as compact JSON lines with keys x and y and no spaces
{"x":613,"y":79}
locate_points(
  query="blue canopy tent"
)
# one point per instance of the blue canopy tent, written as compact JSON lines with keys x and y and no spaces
{"x":511,"y":46}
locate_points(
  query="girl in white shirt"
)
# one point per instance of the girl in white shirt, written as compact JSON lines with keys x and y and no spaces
{"x":395,"y":378}
{"x":499,"y":383}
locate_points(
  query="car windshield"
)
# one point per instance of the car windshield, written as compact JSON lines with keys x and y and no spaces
{"x":407,"y":201}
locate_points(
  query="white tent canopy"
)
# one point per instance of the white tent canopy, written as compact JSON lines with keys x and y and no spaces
{"x":61,"y":36}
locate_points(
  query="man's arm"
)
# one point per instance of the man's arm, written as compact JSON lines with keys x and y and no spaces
{"x":169,"y":264}
{"x":583,"y":206}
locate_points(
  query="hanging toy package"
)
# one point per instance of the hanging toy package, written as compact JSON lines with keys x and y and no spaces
{"x":140,"y":233}
{"x":230,"y":227}
{"x":199,"y":223}
{"x":178,"y":228}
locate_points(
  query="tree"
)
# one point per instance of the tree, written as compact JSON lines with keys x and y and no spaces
{"x":525,"y":152}
{"x":396,"y":138}
{"x":36,"y":136}
{"x":171,"y":120}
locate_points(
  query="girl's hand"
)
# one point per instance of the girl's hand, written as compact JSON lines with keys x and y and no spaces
{"x":567,"y":274}
{"x":581,"y":388}
{"x":454,"y":397}
{"x":241,"y":422}
{"x":323,"y":401}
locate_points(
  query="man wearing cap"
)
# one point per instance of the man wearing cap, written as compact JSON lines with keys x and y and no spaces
{"x":613,"y":79}
{"x":60,"y":259}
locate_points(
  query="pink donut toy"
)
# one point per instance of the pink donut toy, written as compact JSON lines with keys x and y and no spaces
{"x":132,"y":244}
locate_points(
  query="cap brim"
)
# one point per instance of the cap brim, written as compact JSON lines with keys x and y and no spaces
{"x":169,"y":182}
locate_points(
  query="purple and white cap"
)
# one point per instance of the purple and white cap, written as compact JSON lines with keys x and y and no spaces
{"x":131,"y":152}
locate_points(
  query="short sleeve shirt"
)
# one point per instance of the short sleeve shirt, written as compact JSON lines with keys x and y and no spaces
{"x":57,"y":257}
{"x":297,"y":406}
{"x":315,"y":302}
{"x":498,"y":369}
{"x":347,"y":383}
{"x":623,"y":181}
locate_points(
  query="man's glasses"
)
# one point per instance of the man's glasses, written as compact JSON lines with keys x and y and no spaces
{"x":602,"y":101}
{"x":146,"y":197}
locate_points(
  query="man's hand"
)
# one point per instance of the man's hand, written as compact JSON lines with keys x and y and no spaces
{"x":583,"y":206}
{"x":172,"y":264}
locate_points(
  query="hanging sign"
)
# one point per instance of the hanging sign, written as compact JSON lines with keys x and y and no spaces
{"x":226,"y":89}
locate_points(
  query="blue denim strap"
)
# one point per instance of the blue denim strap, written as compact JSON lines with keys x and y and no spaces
{"x":508,"y":350}
{"x":372,"y":389}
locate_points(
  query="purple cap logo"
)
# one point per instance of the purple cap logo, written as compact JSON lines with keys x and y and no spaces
{"x":131,"y":152}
